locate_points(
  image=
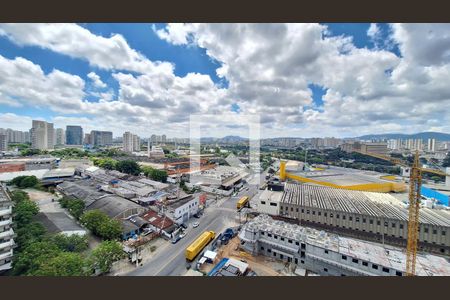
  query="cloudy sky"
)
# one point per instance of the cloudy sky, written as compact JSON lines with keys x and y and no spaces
{"x":300,"y":79}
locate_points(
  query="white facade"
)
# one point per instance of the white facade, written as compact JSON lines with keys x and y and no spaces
{"x":269,"y":202}
{"x":3,"y":142}
{"x":6,"y":231}
{"x":431,"y":146}
{"x":184,"y":211}
{"x":131,"y":142}
{"x":42,"y":135}
{"x":60,"y":136}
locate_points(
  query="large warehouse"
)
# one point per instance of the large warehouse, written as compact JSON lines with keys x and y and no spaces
{"x":363,"y":214}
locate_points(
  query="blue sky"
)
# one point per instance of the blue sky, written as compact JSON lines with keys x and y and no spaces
{"x":204,"y":56}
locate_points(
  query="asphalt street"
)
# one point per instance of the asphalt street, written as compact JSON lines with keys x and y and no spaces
{"x":217,"y":217}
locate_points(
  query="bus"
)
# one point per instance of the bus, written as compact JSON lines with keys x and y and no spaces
{"x":199,"y":244}
{"x":242,"y":202}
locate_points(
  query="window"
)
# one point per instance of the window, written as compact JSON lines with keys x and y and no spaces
{"x":378,"y":223}
{"x":292,"y":209}
{"x":375,"y":267}
{"x":343,"y":217}
{"x":262,"y":248}
{"x":326,"y":251}
{"x":337,"y":216}
{"x":331,"y":215}
{"x":262,"y":233}
{"x":296,"y":261}
{"x":274,"y":254}
{"x":355,"y":260}
{"x":273,"y":204}
{"x":319,"y":213}
{"x":275,"y":236}
{"x":385,"y":224}
{"x":364,"y":220}
{"x":281,"y":256}
{"x":263,"y":202}
{"x":296,"y":210}
{"x":344,"y":257}
{"x":290,"y":241}
{"x":286,"y":208}
{"x":365,"y":264}
{"x":307,"y":211}
{"x":357,"y":219}
{"x":297,"y":243}
{"x":325,"y":269}
{"x":425,"y":230}
{"x":401,"y":226}
{"x":303,"y":210}
{"x":393,"y":225}
{"x":314,"y":212}
{"x":303,"y":246}
{"x":269,"y":250}
{"x":269,"y":235}
{"x":386,"y":270}
{"x":350,"y":218}
{"x":443,"y":232}
{"x":325,"y":214}
{"x":302,"y":254}
{"x":282,"y":238}
{"x":434,"y":231}
{"x":398,"y":273}
{"x":370,"y":221}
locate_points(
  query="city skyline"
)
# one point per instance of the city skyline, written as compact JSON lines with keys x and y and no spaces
{"x":303,"y":80}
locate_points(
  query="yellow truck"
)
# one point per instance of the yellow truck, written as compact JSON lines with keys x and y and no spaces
{"x":199,"y":244}
{"x":242,"y":202}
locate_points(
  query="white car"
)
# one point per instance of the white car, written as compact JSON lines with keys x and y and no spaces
{"x":195,"y":224}
{"x":182,"y":235}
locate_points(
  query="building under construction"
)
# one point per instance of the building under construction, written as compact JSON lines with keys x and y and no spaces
{"x":374,"y":216}
{"x":330,"y":254}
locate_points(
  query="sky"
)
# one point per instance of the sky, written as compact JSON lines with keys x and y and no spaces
{"x":299,"y":80}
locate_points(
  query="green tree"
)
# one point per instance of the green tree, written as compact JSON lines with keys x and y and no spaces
{"x":64,"y":264}
{"x":128,"y":166}
{"x":24,"y":211}
{"x":101,"y":225}
{"x":18,"y":196}
{"x":33,"y":256}
{"x":105,"y":254}
{"x":110,"y":230}
{"x":28,"y":234}
{"x":72,"y":243}
{"x":74,"y":206}
{"x":25,"y":181}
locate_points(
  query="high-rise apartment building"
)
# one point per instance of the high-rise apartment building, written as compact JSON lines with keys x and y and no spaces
{"x":101,"y":138}
{"x":3,"y":142}
{"x":42,"y":135}
{"x":131,"y":142}
{"x":163,"y":138}
{"x":74,"y":135}
{"x":431,"y":146}
{"x":60,"y":136}
{"x":6,"y":231}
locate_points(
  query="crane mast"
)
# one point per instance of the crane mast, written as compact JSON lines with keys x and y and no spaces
{"x":415,"y":183}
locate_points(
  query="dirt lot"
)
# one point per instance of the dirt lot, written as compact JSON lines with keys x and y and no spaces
{"x":262,"y":265}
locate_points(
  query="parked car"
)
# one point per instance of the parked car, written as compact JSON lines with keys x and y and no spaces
{"x":182,"y":235}
{"x":184,"y":226}
{"x":175,"y":240}
{"x":195,"y":224}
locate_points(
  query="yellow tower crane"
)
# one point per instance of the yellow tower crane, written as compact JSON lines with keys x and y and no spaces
{"x":413,"y":220}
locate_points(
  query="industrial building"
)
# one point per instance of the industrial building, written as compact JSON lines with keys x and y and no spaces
{"x":3,"y":142}
{"x":329,"y":254}
{"x":183,"y":209}
{"x":378,"y":148}
{"x":6,"y":231}
{"x":367,"y":215}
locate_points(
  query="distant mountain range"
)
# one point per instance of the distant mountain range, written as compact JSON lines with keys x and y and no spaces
{"x":229,"y":139}
{"x":421,"y":135}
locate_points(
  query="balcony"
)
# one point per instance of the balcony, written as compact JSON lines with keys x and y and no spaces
{"x":6,"y":222}
{"x":8,"y":244}
{"x":7,"y":233}
{"x":4,"y":255}
{"x":5,"y":211}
